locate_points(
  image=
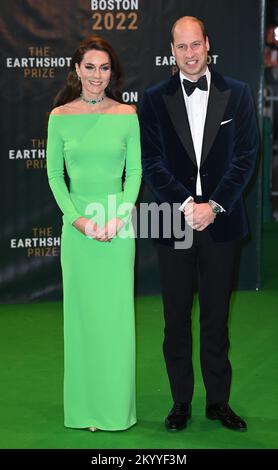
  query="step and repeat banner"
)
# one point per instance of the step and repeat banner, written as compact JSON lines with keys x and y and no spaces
{"x":37,"y":40}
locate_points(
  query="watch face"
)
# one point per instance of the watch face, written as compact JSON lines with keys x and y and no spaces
{"x":215,"y":208}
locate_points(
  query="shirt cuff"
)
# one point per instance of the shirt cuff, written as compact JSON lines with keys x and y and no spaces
{"x":181,"y":208}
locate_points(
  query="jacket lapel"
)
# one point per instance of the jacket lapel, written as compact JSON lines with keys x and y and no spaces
{"x":176,"y":108}
{"x":217,"y":103}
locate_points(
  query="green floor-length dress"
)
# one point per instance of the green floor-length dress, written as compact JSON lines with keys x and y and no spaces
{"x":100,"y":151}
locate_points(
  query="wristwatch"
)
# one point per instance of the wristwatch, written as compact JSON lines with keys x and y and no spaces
{"x":216,"y":209}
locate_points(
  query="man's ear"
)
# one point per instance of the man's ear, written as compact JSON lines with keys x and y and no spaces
{"x":172,"y":49}
{"x":207,"y":43}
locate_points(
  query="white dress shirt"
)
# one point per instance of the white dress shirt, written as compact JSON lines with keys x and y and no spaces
{"x":196,"y":107}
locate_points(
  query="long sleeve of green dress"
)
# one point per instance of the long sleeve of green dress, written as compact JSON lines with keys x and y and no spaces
{"x":133,"y":169}
{"x":55,"y":170}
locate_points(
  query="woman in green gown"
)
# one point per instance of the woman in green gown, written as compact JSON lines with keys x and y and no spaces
{"x":97,"y":138}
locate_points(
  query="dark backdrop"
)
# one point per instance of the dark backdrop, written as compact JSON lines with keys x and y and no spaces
{"x":37,"y":40}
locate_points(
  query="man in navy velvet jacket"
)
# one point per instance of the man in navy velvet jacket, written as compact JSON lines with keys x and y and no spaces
{"x":199,"y":145}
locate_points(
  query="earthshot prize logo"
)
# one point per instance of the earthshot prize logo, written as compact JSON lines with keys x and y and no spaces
{"x":38,"y":63}
{"x":169,"y":61}
{"x":34,"y":157}
{"x":40,"y":243}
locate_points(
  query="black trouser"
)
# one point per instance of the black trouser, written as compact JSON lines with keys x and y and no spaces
{"x":214,"y":263}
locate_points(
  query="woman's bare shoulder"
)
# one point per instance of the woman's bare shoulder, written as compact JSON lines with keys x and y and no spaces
{"x":57,"y":110}
{"x":126,"y":108}
{"x":67,"y":108}
{"x":120,"y":108}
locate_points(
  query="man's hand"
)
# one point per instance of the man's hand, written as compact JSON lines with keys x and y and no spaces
{"x":198,"y":216}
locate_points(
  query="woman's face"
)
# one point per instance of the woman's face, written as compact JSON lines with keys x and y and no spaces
{"x":95,"y":72}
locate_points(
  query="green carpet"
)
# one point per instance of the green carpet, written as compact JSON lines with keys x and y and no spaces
{"x":31,"y":352}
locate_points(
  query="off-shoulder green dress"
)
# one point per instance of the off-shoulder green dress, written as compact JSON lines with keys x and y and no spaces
{"x":101,"y":153}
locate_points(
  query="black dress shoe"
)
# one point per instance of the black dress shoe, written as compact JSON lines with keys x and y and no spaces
{"x":225,"y":414}
{"x":178,"y":416}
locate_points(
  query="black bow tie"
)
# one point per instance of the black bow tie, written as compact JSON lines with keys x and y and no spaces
{"x":190,"y":86}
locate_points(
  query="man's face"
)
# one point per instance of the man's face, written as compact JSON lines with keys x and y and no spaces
{"x":190,"y":49}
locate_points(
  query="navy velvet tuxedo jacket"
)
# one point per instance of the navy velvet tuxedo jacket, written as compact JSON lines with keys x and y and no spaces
{"x":228,"y":153}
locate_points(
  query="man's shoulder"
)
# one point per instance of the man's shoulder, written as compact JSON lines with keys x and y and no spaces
{"x":234,"y":83}
{"x":162,"y":86}
{"x":225,"y":81}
